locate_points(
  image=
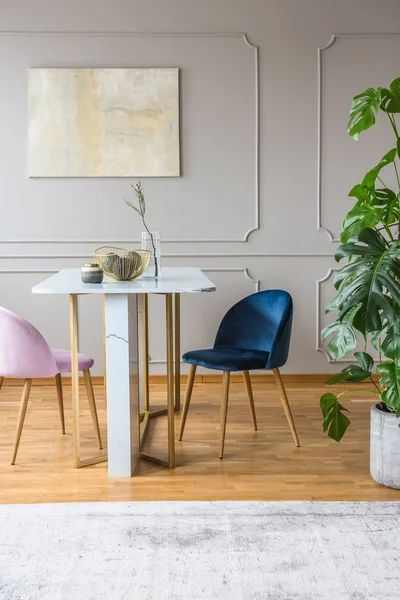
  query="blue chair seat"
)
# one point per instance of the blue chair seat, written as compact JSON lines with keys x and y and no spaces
{"x":227,"y":359}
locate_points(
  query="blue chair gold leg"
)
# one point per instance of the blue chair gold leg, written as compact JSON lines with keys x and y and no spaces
{"x":224,"y":411}
{"x":285,"y":404}
{"x":247,"y":381}
{"x":188,"y":395}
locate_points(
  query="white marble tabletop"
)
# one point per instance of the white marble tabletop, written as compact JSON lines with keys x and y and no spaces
{"x":173,"y":280}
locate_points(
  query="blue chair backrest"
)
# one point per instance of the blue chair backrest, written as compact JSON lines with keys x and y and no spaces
{"x":262,"y":321}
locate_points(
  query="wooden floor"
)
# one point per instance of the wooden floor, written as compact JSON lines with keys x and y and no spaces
{"x":262,"y":465}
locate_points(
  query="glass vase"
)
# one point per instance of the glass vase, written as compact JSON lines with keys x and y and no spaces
{"x":152,"y":241}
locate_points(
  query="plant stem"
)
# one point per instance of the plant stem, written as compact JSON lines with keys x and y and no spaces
{"x":397,"y":173}
{"x":379,"y":391}
{"x":398,"y":183}
{"x":396,"y":133}
{"x":386,"y":228}
{"x":154,"y":248}
{"x":393,"y":124}
{"x":382,"y":182}
{"x":389,"y":233}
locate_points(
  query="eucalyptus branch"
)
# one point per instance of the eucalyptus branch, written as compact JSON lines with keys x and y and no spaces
{"x":154,"y":248}
{"x":141,"y":211}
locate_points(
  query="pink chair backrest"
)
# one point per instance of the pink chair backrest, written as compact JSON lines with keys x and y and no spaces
{"x":24,"y":353}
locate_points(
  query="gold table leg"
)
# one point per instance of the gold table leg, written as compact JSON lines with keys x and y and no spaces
{"x":173,"y":386}
{"x":145,"y":351}
{"x":74,"y":336}
{"x":177,"y":339}
{"x":170,"y":381}
{"x":104,"y":352}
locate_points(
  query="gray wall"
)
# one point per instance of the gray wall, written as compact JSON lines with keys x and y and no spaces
{"x":249,"y":209}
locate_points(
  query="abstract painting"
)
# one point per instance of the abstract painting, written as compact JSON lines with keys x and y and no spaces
{"x":104,"y":123}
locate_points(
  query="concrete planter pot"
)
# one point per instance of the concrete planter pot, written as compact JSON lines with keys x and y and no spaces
{"x":385,"y":448}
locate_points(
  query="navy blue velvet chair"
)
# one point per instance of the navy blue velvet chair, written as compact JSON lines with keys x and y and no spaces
{"x":254,"y":334}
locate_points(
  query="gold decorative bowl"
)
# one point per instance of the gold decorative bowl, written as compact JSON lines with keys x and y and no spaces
{"x":120,"y":264}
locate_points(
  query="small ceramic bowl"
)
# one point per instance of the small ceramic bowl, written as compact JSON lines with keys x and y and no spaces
{"x":91,"y":273}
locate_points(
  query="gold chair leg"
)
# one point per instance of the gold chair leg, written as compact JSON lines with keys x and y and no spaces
{"x":1,"y":381}
{"x":21,"y":417}
{"x":285,"y":404}
{"x":74,"y":337}
{"x":224,"y":412}
{"x":60,"y":400}
{"x":247,"y":382}
{"x":188,"y":395}
{"x":92,"y":404}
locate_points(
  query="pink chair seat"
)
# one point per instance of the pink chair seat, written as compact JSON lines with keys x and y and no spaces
{"x":63,"y":361}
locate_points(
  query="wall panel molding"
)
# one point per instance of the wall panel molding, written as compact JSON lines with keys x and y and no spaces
{"x":319,"y":347}
{"x":177,"y":34}
{"x":336,"y":36}
{"x":181,"y":255}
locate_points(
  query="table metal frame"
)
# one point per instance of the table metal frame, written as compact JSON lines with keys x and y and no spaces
{"x":172,"y":310}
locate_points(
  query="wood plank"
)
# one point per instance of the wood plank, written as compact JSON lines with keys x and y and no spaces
{"x":215,"y":377}
{"x":261,"y":465}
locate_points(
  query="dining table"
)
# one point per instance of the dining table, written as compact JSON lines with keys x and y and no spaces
{"x":126,"y":358}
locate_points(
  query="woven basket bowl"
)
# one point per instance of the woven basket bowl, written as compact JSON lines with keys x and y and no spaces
{"x":120,"y":264}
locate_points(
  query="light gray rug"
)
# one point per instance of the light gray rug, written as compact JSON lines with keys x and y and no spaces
{"x":200,"y":551}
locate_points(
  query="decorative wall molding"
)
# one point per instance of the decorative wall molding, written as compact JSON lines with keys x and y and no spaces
{"x":320,"y":227}
{"x":320,"y":348}
{"x":335,"y":36}
{"x":177,"y":34}
{"x":181,"y":255}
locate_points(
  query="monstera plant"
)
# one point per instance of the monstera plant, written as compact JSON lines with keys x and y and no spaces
{"x":368,"y":284}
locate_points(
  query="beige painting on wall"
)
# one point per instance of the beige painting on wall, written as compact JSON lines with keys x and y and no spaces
{"x":104,"y":123}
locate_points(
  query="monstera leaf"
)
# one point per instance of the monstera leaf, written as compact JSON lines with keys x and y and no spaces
{"x":390,"y":98}
{"x":355,"y":373}
{"x":363,"y":193}
{"x":363,"y":111}
{"x":369,"y":281}
{"x":376,"y":206}
{"x":372,"y":175}
{"x":335,"y":421}
{"x":387,"y":341}
{"x":390,"y":381}
{"x":368,"y":286}
{"x":357,"y":219}
{"x":387,"y":204}
{"x":344,"y":340}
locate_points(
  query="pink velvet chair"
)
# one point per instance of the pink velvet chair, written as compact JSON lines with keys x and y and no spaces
{"x":25,"y":354}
